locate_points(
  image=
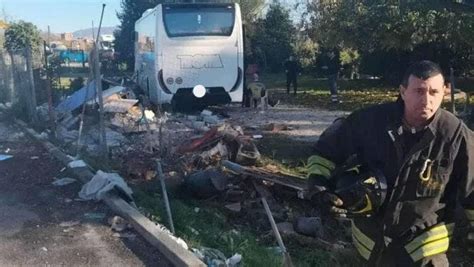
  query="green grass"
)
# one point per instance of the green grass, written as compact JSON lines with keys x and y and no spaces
{"x":355,"y":94}
{"x":209,"y":227}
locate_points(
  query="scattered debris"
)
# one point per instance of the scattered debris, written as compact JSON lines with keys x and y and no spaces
{"x":5,"y":157}
{"x":125,"y":235}
{"x":64,"y":181}
{"x":102,"y":183}
{"x":119,"y":224}
{"x":235,"y":207}
{"x":234,"y":261}
{"x":94,"y":215}
{"x":310,"y":226}
{"x":210,"y":256}
{"x":77,"y":99}
{"x":274,"y":127}
{"x":206,"y":183}
{"x":76,"y":164}
{"x":119,"y":105}
{"x":69,"y":223}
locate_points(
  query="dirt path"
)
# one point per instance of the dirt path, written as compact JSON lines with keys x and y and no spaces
{"x":42,"y":224}
{"x":304,"y":124}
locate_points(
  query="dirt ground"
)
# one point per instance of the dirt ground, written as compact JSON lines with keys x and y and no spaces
{"x":43,"y":224}
{"x":303,"y":124}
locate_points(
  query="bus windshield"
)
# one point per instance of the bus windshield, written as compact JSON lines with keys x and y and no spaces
{"x":198,"y":20}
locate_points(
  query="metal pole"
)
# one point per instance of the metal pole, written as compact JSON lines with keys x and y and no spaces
{"x":165,"y":194}
{"x":52,"y":117}
{"x":98,"y":81}
{"x":32,"y":93}
{"x":93,"y":33}
{"x":288,"y":261}
{"x":49,"y":38}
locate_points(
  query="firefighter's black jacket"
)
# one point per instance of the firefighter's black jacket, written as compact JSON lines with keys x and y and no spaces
{"x":418,"y":214}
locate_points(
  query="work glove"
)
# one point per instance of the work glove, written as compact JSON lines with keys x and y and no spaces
{"x":321,"y":197}
{"x":329,"y":203}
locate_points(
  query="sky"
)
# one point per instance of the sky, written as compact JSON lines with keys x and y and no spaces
{"x":61,"y":15}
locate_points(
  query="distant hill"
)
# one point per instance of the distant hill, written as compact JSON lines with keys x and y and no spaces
{"x":88,"y":32}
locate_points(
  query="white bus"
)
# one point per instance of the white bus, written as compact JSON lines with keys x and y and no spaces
{"x":190,"y":54}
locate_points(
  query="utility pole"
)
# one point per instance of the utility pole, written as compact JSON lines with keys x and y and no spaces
{"x":49,"y":37}
{"x":31,"y":95}
{"x":98,"y":82}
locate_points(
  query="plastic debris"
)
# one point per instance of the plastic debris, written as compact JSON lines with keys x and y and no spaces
{"x":64,"y":181}
{"x":210,"y":256}
{"x":102,"y":183}
{"x":77,"y":164}
{"x":234,"y":260}
{"x":5,"y":157}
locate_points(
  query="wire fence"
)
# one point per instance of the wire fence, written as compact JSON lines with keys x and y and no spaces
{"x":21,"y":81}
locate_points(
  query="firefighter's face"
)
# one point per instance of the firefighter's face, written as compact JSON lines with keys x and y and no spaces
{"x":422,"y":98}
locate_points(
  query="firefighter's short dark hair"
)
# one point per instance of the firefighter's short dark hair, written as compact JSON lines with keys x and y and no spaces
{"x":422,"y":69}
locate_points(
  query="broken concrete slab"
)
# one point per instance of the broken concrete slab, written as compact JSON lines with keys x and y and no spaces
{"x":119,"y":106}
{"x":235,"y":207}
{"x":113,"y":138}
{"x":213,"y":119}
{"x":206,"y":113}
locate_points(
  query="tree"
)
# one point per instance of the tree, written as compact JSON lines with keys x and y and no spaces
{"x":274,"y":37}
{"x":435,"y":29}
{"x":21,"y":35}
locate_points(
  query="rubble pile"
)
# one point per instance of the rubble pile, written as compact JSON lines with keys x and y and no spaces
{"x":212,"y":158}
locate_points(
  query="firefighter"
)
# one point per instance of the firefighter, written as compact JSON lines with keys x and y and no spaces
{"x":426,"y":155}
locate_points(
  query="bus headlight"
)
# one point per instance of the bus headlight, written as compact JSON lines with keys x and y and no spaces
{"x":199,"y":91}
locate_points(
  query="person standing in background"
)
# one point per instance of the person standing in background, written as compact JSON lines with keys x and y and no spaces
{"x":331,"y":65}
{"x":292,"y":70}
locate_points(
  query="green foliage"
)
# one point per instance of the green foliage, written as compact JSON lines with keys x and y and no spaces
{"x":306,"y":51}
{"x":76,"y":84}
{"x":396,"y":27}
{"x":208,"y":227}
{"x":21,"y":35}
{"x":273,"y":38}
{"x":250,"y":9}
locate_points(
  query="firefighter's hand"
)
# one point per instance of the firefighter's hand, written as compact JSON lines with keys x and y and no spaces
{"x":329,"y":203}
